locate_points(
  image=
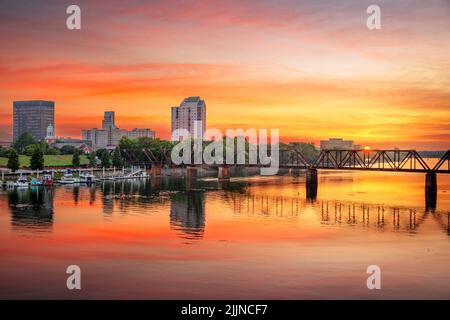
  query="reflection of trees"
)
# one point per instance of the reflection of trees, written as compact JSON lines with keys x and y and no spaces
{"x":142,"y":193}
{"x":187,"y":214}
{"x":31,"y":209}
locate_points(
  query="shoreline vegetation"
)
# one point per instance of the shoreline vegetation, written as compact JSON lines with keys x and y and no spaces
{"x":63,"y":160}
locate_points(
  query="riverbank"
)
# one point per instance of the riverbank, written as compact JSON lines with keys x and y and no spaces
{"x":64,"y":160}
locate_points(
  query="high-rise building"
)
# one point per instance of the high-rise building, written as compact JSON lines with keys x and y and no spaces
{"x":109,"y":120}
{"x":109,"y":135}
{"x":190,"y":115}
{"x":33,"y":117}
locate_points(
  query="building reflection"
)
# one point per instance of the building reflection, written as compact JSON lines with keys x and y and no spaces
{"x":31,"y":209}
{"x":187,"y":214}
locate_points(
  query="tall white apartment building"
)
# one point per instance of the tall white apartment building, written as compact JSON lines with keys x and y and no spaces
{"x":190,"y":115}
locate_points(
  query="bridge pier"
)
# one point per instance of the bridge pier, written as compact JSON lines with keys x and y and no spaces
{"x":224,"y":173}
{"x":430,"y":190}
{"x":155,"y":171}
{"x":191,"y":172}
{"x":311,"y":184}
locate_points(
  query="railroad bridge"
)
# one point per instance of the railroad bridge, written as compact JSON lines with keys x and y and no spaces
{"x":292,"y":158}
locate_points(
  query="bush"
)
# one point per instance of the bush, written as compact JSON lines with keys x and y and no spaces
{"x":53,"y":151}
{"x":68,"y":150}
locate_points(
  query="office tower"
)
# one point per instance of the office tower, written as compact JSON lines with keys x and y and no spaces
{"x":191,"y":112}
{"x":33,"y":117}
{"x":109,"y":120}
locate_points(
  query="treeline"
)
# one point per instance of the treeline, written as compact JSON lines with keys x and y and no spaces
{"x":128,"y":152}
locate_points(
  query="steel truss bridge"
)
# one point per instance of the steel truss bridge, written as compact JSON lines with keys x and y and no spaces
{"x":377,"y":160}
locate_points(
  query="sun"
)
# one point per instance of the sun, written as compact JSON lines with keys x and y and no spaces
{"x":366,"y":148}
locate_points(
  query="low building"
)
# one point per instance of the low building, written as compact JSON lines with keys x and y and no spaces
{"x":83,"y":145}
{"x":337,"y":144}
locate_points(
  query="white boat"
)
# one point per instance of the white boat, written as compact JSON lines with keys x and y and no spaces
{"x":86,"y":178}
{"x":68,"y":178}
{"x":22,"y":182}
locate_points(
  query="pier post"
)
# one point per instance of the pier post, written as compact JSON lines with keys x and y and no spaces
{"x":224,"y":173}
{"x":155,"y":170}
{"x":311,"y":184}
{"x":191,"y":172}
{"x":3,"y":175}
{"x":430,"y":190}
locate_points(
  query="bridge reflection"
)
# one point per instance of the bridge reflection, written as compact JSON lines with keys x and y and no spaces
{"x":341,"y":214}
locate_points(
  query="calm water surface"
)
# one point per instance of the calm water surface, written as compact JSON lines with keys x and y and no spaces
{"x":255,"y":237}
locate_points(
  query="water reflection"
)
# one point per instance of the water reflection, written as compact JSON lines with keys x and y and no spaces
{"x":184,"y":204}
{"x":338,"y":213}
{"x":187,"y":214}
{"x":31,"y":209}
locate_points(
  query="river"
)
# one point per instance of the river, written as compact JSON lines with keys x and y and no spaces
{"x":251,"y":238}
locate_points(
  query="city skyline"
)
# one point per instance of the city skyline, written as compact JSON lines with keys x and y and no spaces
{"x":311,"y":70}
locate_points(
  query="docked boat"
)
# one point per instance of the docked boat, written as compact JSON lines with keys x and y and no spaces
{"x":68,"y":178}
{"x":21,"y":182}
{"x":86,"y":178}
{"x":47,"y":180}
{"x":36,"y":182}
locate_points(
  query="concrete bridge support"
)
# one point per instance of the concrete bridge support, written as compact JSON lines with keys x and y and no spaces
{"x":430,"y":190}
{"x":311,"y":184}
{"x":224,"y":173}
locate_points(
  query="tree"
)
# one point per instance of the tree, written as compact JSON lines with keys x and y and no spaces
{"x":106,"y":159}
{"x":93,"y":159}
{"x":13,"y":160}
{"x":4,"y":152}
{"x":37,"y":159}
{"x":24,"y":140}
{"x":76,"y":158}
{"x":52,"y":151}
{"x":67,"y":149}
{"x":30,"y":149}
{"x":117,"y":159}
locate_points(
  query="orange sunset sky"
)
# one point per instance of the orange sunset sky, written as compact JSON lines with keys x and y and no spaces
{"x":310,"y":68}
